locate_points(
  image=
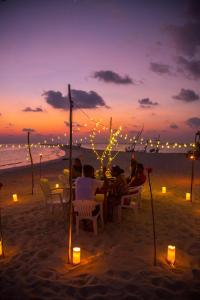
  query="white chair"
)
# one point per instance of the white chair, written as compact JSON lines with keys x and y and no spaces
{"x":137,"y":192}
{"x":99,"y":198}
{"x":83,"y":210}
{"x":52,"y":196}
{"x":131,"y":200}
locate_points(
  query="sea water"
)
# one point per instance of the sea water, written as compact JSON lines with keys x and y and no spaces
{"x":18,"y":155}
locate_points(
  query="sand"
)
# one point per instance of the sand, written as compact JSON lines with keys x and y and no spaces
{"x":118,"y":262}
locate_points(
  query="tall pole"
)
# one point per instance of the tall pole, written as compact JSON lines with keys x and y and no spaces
{"x":110,"y":137}
{"x":31,"y":158}
{"x":1,"y":235}
{"x":70,"y":178}
{"x":192,"y":180}
{"x":153,"y":218}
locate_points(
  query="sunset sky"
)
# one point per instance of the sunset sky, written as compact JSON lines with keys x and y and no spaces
{"x":137,"y":61}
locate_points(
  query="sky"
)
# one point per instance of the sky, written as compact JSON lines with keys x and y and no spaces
{"x":135,"y":61}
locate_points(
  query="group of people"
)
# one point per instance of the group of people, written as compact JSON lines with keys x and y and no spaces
{"x":86,"y":185}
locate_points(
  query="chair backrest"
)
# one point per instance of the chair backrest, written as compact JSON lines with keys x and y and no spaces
{"x":84,"y":208}
{"x":64,"y":180}
{"x":44,"y":183}
{"x":135,"y":189}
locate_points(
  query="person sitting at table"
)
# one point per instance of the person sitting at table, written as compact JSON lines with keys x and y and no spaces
{"x":86,"y":186}
{"x":118,"y":188}
{"x":139,"y":178}
{"x":134,"y":165}
{"x":77,"y":168}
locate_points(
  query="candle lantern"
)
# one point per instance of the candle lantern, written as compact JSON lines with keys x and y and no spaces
{"x":164,"y":189}
{"x":76,"y":255}
{"x":57,"y":185}
{"x":171,"y":254}
{"x":66,"y":171}
{"x":15,"y":198}
{"x":1,"y":248}
{"x":187,"y":196}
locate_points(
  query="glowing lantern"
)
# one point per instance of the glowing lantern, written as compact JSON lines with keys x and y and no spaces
{"x":66,"y":171}
{"x":57,"y":185}
{"x":187,"y":196}
{"x":76,"y":255}
{"x":171,"y":254}
{"x":15,"y":198}
{"x":1,"y":248}
{"x":164,"y":189}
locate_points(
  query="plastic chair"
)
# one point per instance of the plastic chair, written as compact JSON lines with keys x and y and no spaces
{"x":83,"y":210}
{"x":131,"y":200}
{"x":52,"y":196}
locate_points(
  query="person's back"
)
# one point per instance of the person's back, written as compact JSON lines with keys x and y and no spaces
{"x":86,"y":186}
{"x":140,"y":177}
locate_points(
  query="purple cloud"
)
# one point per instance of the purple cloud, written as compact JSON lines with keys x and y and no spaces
{"x":173,"y":126}
{"x":28,"y":130}
{"x":189,"y":68}
{"x":187,"y":95}
{"x":160,"y":69}
{"x":82,"y":99}
{"x":112,"y":77}
{"x":193,"y":122}
{"x":29,"y":109}
{"x":146,"y":103}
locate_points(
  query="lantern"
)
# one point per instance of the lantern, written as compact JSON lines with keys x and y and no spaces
{"x":66,"y":171}
{"x":1,"y":248}
{"x":187,"y":196}
{"x":164,"y":189}
{"x":171,"y":254}
{"x":76,"y":255}
{"x":57,"y":185}
{"x":15,"y":198}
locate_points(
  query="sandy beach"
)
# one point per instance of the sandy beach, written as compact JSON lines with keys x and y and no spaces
{"x":118,"y":262}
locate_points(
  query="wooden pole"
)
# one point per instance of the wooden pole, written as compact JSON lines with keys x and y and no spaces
{"x":1,"y":234}
{"x":192,"y":181}
{"x":40,"y":165}
{"x":70,"y":178}
{"x":153,"y":218}
{"x":31,"y":158}
{"x":110,"y":137}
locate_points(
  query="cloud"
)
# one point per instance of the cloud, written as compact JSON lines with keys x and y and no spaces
{"x":28,"y":130}
{"x":75,"y":124}
{"x":173,"y":126}
{"x":160,"y":68}
{"x":187,"y":96}
{"x":82,"y":99}
{"x":29,"y":109}
{"x":147,"y":103}
{"x":193,"y":122}
{"x":190,"y":68}
{"x":193,"y":10}
{"x":112,"y":77}
{"x":186,"y":38}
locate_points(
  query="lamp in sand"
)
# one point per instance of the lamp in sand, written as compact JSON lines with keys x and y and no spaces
{"x":15,"y":199}
{"x":187,"y":196}
{"x":1,"y":248}
{"x":76,"y":255}
{"x":164,"y":189}
{"x":171,"y":254}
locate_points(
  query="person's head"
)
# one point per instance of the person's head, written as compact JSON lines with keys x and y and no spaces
{"x":77,"y":162}
{"x":88,"y":171}
{"x":116,"y":171}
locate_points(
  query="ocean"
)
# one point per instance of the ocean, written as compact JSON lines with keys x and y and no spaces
{"x":17,"y":155}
